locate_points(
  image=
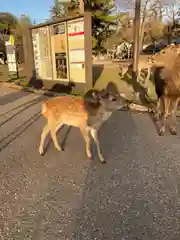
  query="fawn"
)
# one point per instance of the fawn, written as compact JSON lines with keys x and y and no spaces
{"x":87,"y":113}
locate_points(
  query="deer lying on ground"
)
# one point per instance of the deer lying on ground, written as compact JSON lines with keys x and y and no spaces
{"x":87,"y":113}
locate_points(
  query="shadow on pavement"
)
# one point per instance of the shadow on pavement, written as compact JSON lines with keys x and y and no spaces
{"x":26,"y":106}
{"x":97,"y":72}
{"x":125,"y":199}
{"x":108,"y":193}
{"x":64,"y":138}
{"x":18,"y":131}
{"x":13,"y":97}
{"x":19,"y":106}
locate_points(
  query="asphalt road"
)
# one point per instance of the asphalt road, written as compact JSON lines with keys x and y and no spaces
{"x":136,"y":195}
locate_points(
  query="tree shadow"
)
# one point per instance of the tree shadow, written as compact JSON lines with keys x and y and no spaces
{"x":137,"y":87}
{"x":12,"y":97}
{"x":97,"y":71}
{"x":19,"y":106}
{"x":25,"y":107}
{"x":18,"y":131}
{"x":111,"y":194}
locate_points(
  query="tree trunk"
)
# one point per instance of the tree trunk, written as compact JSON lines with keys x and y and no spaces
{"x":141,"y":36}
{"x":142,"y":27}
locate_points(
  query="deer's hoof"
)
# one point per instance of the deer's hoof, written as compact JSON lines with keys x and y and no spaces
{"x":89,"y":155}
{"x":103,"y":162}
{"x":41,"y":154}
{"x":161,"y":132}
{"x":173,"y":131}
{"x":156,"y":117}
{"x":59,"y":149}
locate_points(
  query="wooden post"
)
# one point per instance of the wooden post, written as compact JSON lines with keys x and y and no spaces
{"x":28,"y":53}
{"x":88,"y":49}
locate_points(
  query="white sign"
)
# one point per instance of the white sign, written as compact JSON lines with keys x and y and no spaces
{"x":76,"y":38}
{"x":12,"y":67}
{"x":11,"y":57}
{"x":36,"y":49}
{"x":75,"y":27}
{"x":76,"y":66}
{"x":77,"y":55}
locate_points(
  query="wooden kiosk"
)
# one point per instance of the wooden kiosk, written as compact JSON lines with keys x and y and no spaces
{"x":60,"y":52}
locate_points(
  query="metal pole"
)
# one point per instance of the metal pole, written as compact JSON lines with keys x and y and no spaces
{"x":136,"y":38}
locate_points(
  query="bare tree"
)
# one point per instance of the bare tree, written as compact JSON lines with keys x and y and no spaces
{"x":149,"y":9}
{"x":172,"y":11}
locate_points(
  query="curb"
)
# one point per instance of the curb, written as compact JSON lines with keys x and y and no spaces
{"x":132,"y":106}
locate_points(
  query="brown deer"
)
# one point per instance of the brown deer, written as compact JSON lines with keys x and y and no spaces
{"x":143,"y":64}
{"x":168,"y":87}
{"x":88,"y":114}
{"x":156,"y":59}
{"x":163,"y":59}
{"x":153,"y":61}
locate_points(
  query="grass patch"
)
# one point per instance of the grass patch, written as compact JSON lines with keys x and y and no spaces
{"x":124,"y":84}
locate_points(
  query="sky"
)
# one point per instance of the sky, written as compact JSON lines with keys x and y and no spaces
{"x":37,"y":10}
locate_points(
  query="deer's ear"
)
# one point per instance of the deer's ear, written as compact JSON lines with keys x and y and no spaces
{"x":95,"y":96}
{"x":103,"y":93}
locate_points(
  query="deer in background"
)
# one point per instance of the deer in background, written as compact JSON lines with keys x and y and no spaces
{"x":150,"y":62}
{"x":163,"y":59}
{"x":168,"y":85}
{"x":88,"y":114}
{"x":143,"y":64}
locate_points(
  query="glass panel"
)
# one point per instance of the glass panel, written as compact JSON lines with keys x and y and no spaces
{"x":59,"y":50}
{"x":46,"y":67}
{"x":42,"y":56}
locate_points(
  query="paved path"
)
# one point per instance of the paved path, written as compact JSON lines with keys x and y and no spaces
{"x":136,"y":195}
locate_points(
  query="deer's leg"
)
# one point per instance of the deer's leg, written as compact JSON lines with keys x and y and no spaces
{"x":86,"y":136}
{"x":123,"y":71}
{"x":94,"y":134}
{"x":167,"y":103}
{"x":148,"y":76}
{"x":140,"y":78}
{"x":44,"y":134}
{"x":139,"y":74}
{"x":53,"y":130}
{"x":158,"y":110}
{"x":173,"y":117}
